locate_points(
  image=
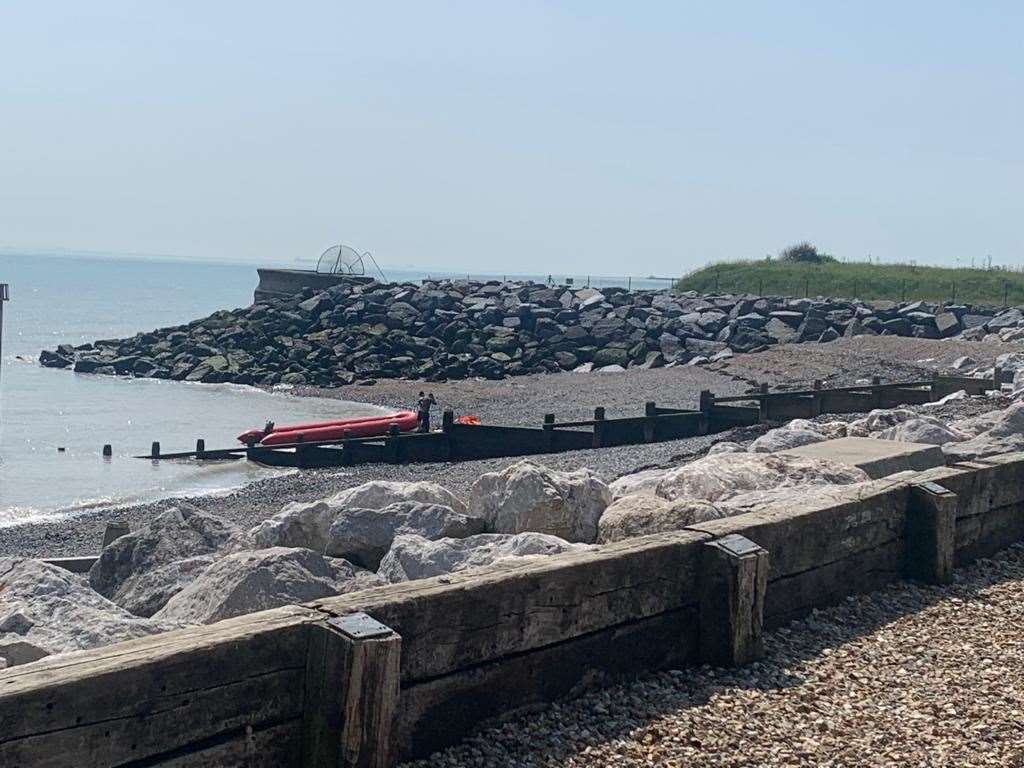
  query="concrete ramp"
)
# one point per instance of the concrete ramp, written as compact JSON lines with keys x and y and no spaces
{"x":879,"y":458}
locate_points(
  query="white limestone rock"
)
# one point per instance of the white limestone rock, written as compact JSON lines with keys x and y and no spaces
{"x":1000,"y":432}
{"x":721,"y":476}
{"x":879,"y":419}
{"x":527,"y":496}
{"x":307,"y":524}
{"x":414,"y":557}
{"x":261,"y":579}
{"x":137,"y":570}
{"x":642,"y":514}
{"x":924,"y":429}
{"x":785,"y":498}
{"x":785,"y":438}
{"x":645,"y":481}
{"x":46,"y":610}
{"x":363,"y":536}
{"x":726,"y":446}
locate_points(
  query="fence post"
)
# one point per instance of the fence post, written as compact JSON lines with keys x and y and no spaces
{"x":598,"y":426}
{"x":816,"y":398}
{"x":931,"y":533}
{"x":448,"y":429}
{"x":651,"y":414}
{"x":351,"y":693}
{"x":763,"y":410}
{"x":733,"y":580}
{"x":707,"y":403}
{"x":1006,"y":291}
{"x":392,"y":444}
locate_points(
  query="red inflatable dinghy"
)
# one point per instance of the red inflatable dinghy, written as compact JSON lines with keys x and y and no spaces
{"x":367,"y":426}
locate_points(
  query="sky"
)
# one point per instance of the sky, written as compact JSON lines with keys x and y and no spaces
{"x":520,"y":137}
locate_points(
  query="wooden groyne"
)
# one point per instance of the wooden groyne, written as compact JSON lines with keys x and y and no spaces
{"x":399,"y":671}
{"x":463,"y":442}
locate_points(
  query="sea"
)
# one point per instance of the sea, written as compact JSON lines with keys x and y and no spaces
{"x":54,"y":423}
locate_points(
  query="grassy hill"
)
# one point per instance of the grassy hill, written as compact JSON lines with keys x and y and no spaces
{"x":898,"y":282}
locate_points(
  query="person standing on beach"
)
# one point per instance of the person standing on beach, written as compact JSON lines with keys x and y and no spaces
{"x":423,"y":405}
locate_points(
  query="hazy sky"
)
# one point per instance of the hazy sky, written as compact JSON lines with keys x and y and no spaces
{"x":593,"y":137}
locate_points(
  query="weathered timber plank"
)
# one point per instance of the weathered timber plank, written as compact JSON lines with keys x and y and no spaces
{"x":450,"y":622}
{"x":984,"y":535}
{"x":164,"y":723}
{"x":821,"y":552}
{"x":803,"y":537}
{"x":278,"y":746}
{"x":439,"y":712}
{"x":789,"y":407}
{"x":794,"y":596}
{"x":148,"y":696}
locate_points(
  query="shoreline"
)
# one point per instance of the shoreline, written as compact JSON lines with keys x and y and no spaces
{"x":524,"y":400}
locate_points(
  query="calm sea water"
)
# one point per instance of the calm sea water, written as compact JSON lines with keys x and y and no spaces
{"x":74,"y":300}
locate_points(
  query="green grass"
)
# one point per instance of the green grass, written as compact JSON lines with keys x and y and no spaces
{"x":897,"y":282}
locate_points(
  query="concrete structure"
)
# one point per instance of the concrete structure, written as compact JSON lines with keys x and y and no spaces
{"x":286,"y":282}
{"x":879,"y":458}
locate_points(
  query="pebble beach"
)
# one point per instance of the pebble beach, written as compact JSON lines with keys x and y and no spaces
{"x":523,"y":401}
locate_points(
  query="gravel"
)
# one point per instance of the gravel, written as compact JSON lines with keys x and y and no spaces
{"x":909,"y":676}
{"x":524,"y":400}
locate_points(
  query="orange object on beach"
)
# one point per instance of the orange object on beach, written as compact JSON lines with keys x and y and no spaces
{"x":472,"y":421}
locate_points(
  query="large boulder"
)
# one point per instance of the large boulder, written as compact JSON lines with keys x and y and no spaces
{"x":141,"y":570}
{"x":257,"y":580}
{"x":308,"y":524}
{"x":721,"y":476}
{"x":785,"y":438}
{"x":1000,"y":432}
{"x":364,"y":536}
{"x":528,"y":496}
{"x":924,"y":429}
{"x":641,"y":514}
{"x":878,"y":420}
{"x":645,"y":481}
{"x":45,"y":610}
{"x":414,"y":557}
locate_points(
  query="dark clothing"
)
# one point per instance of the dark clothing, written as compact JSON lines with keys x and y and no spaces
{"x":424,"y":404}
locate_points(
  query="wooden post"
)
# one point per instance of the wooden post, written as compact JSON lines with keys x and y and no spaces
{"x":598,"y":426}
{"x":707,"y":403}
{"x":816,"y":398}
{"x":733,"y":580}
{"x":154,"y":451}
{"x":875,"y":381}
{"x":931,"y":533}
{"x":549,"y":431}
{"x":114,"y":531}
{"x":448,"y":429}
{"x":200,"y":448}
{"x":352,"y":675}
{"x":651,"y":414}
{"x":392,"y":444}
{"x":763,"y":411}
